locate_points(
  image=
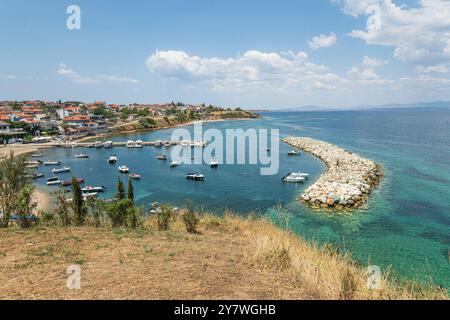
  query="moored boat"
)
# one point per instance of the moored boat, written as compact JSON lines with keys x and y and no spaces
{"x":113,"y":159}
{"x":139,"y":144}
{"x":36,"y":175}
{"x":195,"y":176}
{"x":214,"y":164}
{"x":81,"y":156}
{"x":52,"y":163}
{"x":174,"y":164}
{"x":158,"y":144}
{"x":98,"y":144}
{"x":162,"y":157}
{"x":90,"y":189}
{"x":131,"y":144}
{"x":108,"y":144}
{"x":53,"y":181}
{"x":124,"y":169}
{"x":135,"y":176}
{"x":294,"y":178}
{"x":293,"y":153}
{"x":62,"y":170}
{"x":37,"y":155}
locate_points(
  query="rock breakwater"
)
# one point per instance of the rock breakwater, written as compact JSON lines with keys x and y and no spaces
{"x":348,"y":181}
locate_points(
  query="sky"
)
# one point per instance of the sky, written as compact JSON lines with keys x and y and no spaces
{"x":258,"y":54}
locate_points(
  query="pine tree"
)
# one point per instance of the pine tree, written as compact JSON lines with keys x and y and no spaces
{"x":120,"y":190}
{"x":130,"y":190}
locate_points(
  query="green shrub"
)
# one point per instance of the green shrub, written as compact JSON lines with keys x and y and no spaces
{"x":165,"y":215}
{"x":190,"y":219}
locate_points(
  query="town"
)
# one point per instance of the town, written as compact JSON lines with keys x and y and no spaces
{"x":44,"y":121}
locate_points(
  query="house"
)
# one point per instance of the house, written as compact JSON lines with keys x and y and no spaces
{"x":5,"y":127}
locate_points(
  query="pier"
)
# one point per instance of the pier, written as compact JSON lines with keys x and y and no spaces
{"x":113,"y":144}
{"x":348,"y":180}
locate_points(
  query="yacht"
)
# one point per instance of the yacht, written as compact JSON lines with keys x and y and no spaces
{"x":214,"y":164}
{"x":124,"y":169}
{"x":139,"y":144}
{"x":108,"y":144}
{"x":293,"y":178}
{"x":81,"y":156}
{"x":52,"y":163}
{"x":53,"y":181}
{"x":195,"y":176}
{"x":131,"y":144}
{"x":90,"y":189}
{"x":98,"y":145}
{"x":300,"y":174}
{"x":62,"y":170}
{"x":174,"y":164}
{"x":113,"y":160}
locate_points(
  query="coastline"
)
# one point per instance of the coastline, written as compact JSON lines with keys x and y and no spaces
{"x":349,"y":178}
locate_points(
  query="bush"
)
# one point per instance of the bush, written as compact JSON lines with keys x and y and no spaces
{"x":165,"y":215}
{"x":190,"y":219}
{"x":119,"y":211}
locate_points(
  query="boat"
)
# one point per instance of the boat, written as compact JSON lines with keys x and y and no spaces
{"x":293,"y":153}
{"x":62,"y":170}
{"x":167,"y":144}
{"x":90,"y":189}
{"x":158,"y":144}
{"x":52,"y":163}
{"x":108,"y":144}
{"x":195,"y":176}
{"x":124,"y":169}
{"x":135,"y":176}
{"x":131,"y":144}
{"x":214,"y":164}
{"x":113,"y":160}
{"x":300,"y":174}
{"x":34,"y":162}
{"x":35,"y":175}
{"x":89,"y":195}
{"x":98,"y":145}
{"x":37,"y":155}
{"x":162,"y":157}
{"x":174,"y":164}
{"x":32,"y":166}
{"x":91,"y":145}
{"x":53,"y":181}
{"x":294,"y":178}
{"x":185,"y":143}
{"x":69,"y":183}
{"x":81,"y":156}
{"x":139,"y":144}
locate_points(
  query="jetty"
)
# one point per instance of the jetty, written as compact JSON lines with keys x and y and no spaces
{"x":111,"y":144}
{"x":348,"y":180}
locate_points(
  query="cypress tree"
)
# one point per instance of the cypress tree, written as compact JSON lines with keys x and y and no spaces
{"x":77,"y":203}
{"x":130,"y":190}
{"x":120,"y":190}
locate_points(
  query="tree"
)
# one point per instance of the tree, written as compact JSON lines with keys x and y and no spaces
{"x":79,"y":210}
{"x":119,"y":212}
{"x":164,"y":216}
{"x":25,"y":205}
{"x":190,"y":219}
{"x":12,"y":181}
{"x":120,"y":189}
{"x":62,"y":207}
{"x":96,"y":209}
{"x":130,"y":190}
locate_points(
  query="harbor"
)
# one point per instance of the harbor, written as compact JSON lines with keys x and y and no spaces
{"x":348,"y":180}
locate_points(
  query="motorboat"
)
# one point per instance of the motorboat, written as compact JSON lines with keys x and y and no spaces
{"x":53,"y":181}
{"x":90,"y":189}
{"x":90,"y":195}
{"x":158,"y":144}
{"x":135,"y":176}
{"x":52,"y":163}
{"x":294,"y":178}
{"x":185,"y":143}
{"x":113,"y":160}
{"x":174,"y":164}
{"x":167,"y":143}
{"x":37,"y":155}
{"x":81,"y":156}
{"x":195,"y":176}
{"x":124,"y":169}
{"x":62,"y":170}
{"x":35,"y":175}
{"x":293,"y":153}
{"x":131,"y":144}
{"x":32,"y":166}
{"x":139,"y":144}
{"x":108,"y":144}
{"x":214,"y":164}
{"x":98,"y":144}
{"x":300,"y":174}
{"x":33,"y":162}
{"x":162,"y":157}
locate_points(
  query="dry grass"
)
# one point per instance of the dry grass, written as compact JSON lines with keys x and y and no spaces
{"x":231,"y":258}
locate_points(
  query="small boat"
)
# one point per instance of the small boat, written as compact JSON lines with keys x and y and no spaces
{"x":62,"y":170}
{"x":81,"y":156}
{"x":293,"y":153}
{"x":195,"y":176}
{"x":135,"y":176}
{"x":158,"y":144}
{"x":124,"y":169}
{"x":174,"y":164}
{"x":167,"y":144}
{"x":294,"y":178}
{"x":139,"y":144}
{"x":90,"y":189}
{"x":300,"y":174}
{"x":33,"y":163}
{"x":35,"y":175}
{"x":131,"y":144}
{"x":162,"y":157}
{"x":98,"y":145}
{"x":37,"y":155}
{"x":53,"y":181}
{"x":32,"y":166}
{"x":185,"y":143}
{"x":52,"y":163}
{"x":113,"y":160}
{"x":69,"y":183}
{"x":108,"y":144}
{"x":90,"y":145}
{"x":214,"y":164}
{"x":89,"y":195}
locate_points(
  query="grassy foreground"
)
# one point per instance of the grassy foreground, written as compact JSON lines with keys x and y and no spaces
{"x":229,"y":258}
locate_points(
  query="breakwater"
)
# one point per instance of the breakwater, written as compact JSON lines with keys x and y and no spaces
{"x":348,"y":180}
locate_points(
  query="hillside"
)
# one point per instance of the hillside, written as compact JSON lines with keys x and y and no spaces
{"x":231,"y":258}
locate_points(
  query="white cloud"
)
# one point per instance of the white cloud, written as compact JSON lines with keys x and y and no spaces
{"x":369,"y":62}
{"x":66,"y":71}
{"x":7,"y":77}
{"x":322,"y":41}
{"x":441,"y":68}
{"x":417,"y":34}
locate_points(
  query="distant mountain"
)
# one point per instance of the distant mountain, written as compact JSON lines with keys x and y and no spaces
{"x":394,"y":106}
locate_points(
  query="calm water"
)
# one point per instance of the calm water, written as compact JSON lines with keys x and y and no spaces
{"x":406,"y":223}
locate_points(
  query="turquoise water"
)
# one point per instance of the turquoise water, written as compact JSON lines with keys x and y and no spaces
{"x":405,"y":224}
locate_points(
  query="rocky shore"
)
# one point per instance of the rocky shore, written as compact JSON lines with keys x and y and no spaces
{"x":348,"y":181}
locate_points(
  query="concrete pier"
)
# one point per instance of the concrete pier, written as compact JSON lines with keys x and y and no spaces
{"x":348,"y":181}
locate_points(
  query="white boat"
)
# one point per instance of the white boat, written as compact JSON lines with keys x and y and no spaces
{"x":135,"y":176}
{"x":124,"y":169}
{"x":108,"y":144}
{"x":195,"y":176}
{"x":300,"y":174}
{"x":113,"y":160}
{"x":174,"y":164}
{"x":37,"y":155}
{"x":90,"y":189}
{"x":32,"y":166}
{"x":81,"y":156}
{"x":294,"y":179}
{"x":139,"y":144}
{"x":167,"y":144}
{"x":65,"y":169}
{"x":293,"y":153}
{"x":185,"y":143}
{"x":53,"y":181}
{"x":158,"y":144}
{"x":98,"y":144}
{"x":52,"y":163}
{"x":89,"y":195}
{"x":131,"y":144}
{"x":214,"y":164}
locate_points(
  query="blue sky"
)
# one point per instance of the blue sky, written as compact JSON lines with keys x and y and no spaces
{"x":255,"y":54}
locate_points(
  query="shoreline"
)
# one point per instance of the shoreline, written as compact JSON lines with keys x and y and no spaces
{"x":349,"y":178}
